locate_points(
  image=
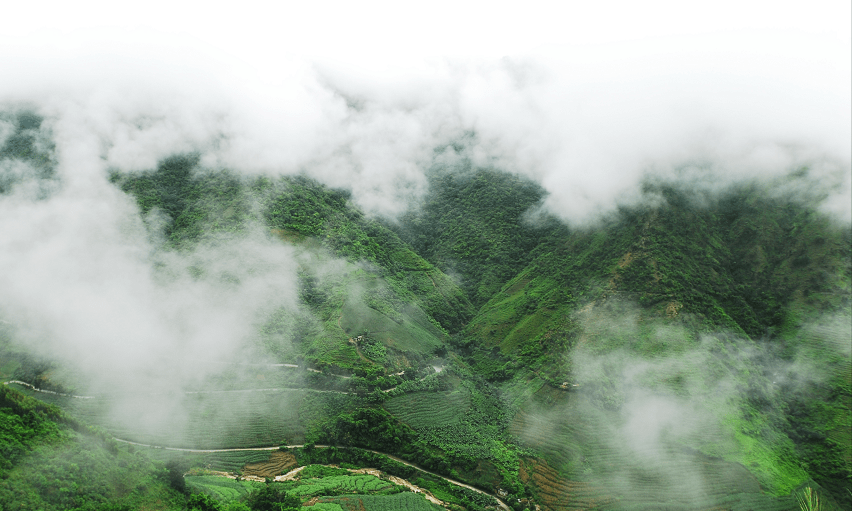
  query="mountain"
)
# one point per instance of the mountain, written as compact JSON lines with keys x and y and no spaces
{"x":689,"y":351}
{"x":683,"y":309}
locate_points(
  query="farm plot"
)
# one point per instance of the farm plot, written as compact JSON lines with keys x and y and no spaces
{"x":279,"y":462}
{"x":220,"y":488}
{"x":221,"y":461}
{"x":560,"y":443}
{"x":588,"y":468}
{"x":467,"y":424}
{"x":230,"y":419}
{"x":430,"y":409}
{"x":361,"y":483}
{"x":556,"y":493}
{"x":234,"y":461}
{"x":406,"y":501}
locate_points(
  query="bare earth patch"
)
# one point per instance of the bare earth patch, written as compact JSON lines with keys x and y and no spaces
{"x":279,"y":462}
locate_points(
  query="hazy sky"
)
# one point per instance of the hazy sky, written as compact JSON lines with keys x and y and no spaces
{"x":586,"y":98}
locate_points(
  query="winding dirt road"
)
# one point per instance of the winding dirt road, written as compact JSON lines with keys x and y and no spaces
{"x":181,"y":449}
{"x":270,"y":389}
{"x":298,"y":446}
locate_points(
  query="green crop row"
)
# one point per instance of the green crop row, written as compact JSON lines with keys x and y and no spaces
{"x":405,"y":501}
{"x":342,"y":483}
{"x":220,"y":488}
{"x":425,"y":409}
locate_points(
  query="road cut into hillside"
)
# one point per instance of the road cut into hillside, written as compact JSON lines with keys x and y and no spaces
{"x":180,"y":449}
{"x":228,"y":391}
{"x":499,"y":501}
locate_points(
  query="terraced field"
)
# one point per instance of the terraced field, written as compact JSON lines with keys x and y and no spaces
{"x":406,"y":501}
{"x":220,"y":488}
{"x":430,"y":409}
{"x":410,"y":330}
{"x":358,"y":483}
{"x":556,"y":493}
{"x":279,"y":462}
{"x":226,"y":419}
{"x":587,"y":470}
{"x":829,"y":342}
{"x":362,"y":492}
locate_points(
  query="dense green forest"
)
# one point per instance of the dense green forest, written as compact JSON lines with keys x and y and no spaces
{"x":691,"y":351}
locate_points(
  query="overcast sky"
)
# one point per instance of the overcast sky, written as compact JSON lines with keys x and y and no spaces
{"x":584,"y":97}
{"x":587,"y":99}
{"x":379,"y":30}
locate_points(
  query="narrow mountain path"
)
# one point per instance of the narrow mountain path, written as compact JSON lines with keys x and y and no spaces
{"x":45,"y":391}
{"x":270,"y":389}
{"x":449,"y":480}
{"x":181,"y":449}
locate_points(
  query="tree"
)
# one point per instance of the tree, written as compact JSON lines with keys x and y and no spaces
{"x":175,"y":475}
{"x":273,"y":498}
{"x":202,"y":502}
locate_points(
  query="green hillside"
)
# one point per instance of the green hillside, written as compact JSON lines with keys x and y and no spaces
{"x":385,"y":289}
{"x":747,"y":264}
{"x":691,"y":351}
{"x":51,"y":461}
{"x":474,"y":223}
{"x":734,"y":290}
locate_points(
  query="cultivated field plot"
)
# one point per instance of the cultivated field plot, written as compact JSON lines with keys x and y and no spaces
{"x":360,"y":483}
{"x":221,"y":488}
{"x":828,"y":345}
{"x":279,"y":462}
{"x":341,"y":492}
{"x":430,"y":409}
{"x":587,"y":470}
{"x":557,"y":493}
{"x":406,"y":501}
{"x":219,"y":461}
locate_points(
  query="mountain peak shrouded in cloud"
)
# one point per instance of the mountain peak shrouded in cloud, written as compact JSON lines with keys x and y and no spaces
{"x":588,"y":113}
{"x":581,"y":256}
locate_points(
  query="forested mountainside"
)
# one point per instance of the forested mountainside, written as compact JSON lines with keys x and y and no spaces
{"x":691,"y":351}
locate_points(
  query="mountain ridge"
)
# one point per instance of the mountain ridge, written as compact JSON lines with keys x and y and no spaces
{"x":521,"y":357}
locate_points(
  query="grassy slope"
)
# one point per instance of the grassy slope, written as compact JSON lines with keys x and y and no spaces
{"x":747,"y":265}
{"x":472,"y":224}
{"x":51,"y":461}
{"x":303,"y":206}
{"x":391,"y":292}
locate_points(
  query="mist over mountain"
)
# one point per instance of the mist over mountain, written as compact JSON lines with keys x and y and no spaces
{"x":609,"y":270}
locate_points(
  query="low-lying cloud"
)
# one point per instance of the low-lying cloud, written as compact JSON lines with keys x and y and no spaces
{"x":84,"y":277}
{"x":589,"y":122}
{"x":658,"y":412}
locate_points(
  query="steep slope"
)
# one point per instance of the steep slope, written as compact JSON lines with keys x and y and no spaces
{"x":748,"y":264}
{"x":26,"y":154}
{"x":51,"y":461}
{"x":697,"y":310}
{"x":299,"y":205}
{"x":385,"y":290}
{"x":692,"y":353}
{"x":473,"y":223}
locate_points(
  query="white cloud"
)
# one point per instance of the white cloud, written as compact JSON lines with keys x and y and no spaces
{"x":586,"y":100}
